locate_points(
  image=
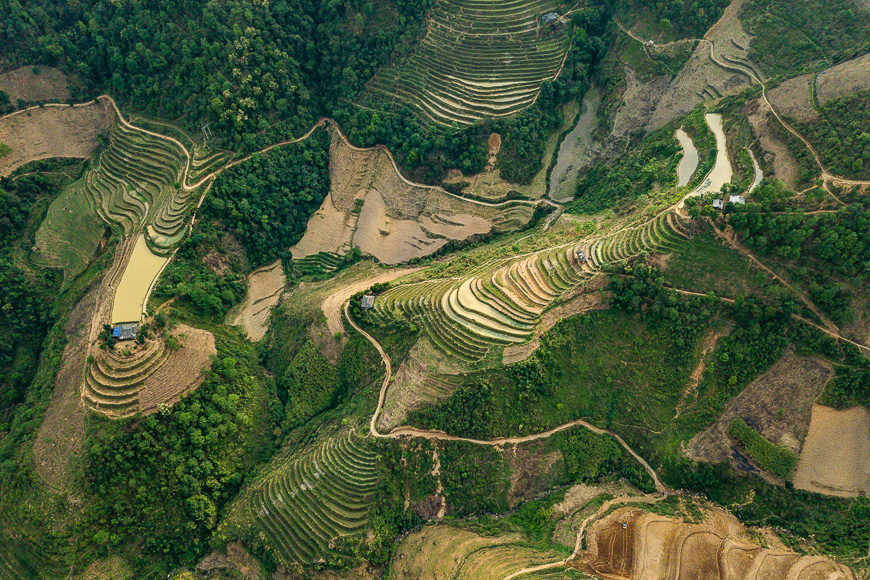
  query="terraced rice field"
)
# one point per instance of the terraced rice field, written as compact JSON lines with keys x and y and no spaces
{"x":501,"y":303}
{"x":120,"y":385}
{"x":480,"y":58}
{"x":321,"y":497}
{"x":130,"y":186}
{"x":319,"y":263}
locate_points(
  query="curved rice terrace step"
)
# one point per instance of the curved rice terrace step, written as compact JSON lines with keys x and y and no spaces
{"x":433,"y":110}
{"x":569,"y":268}
{"x":316,"y":525}
{"x":126,"y":161}
{"x":675,"y":224}
{"x":285,"y":509}
{"x":475,"y":332}
{"x":114,"y":404}
{"x":280,"y":540}
{"x":335,"y":511}
{"x":502,"y":284}
{"x":162,"y":162}
{"x":445,"y":337}
{"x":468,"y":299}
{"x":352,"y":463}
{"x":122,"y":207}
{"x":526,"y":281}
{"x":273,"y":519}
{"x":488,"y":294}
{"x":479,"y":324}
{"x":110,"y":402}
{"x":111,"y":387}
{"x":553,"y":275}
{"x":527,"y":58}
{"x":163,"y":244}
{"x":118,"y":365}
{"x":531,"y":266}
{"x":102,"y":194}
{"x":150,"y":142}
{"x":523,"y":287}
{"x":337,"y":498}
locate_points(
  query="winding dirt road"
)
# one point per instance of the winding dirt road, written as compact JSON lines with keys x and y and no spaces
{"x":406,"y":431}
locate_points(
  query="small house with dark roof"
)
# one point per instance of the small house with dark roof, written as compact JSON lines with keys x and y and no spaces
{"x":550,"y":17}
{"x":125,"y":331}
{"x":368,"y":301}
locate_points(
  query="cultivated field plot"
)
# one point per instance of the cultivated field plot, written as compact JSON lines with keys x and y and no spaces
{"x":633,"y":544}
{"x":135,"y":378}
{"x":130,"y":185}
{"x":265,"y":286}
{"x":502,"y":302}
{"x":835,"y":459}
{"x":440,"y":552}
{"x":52,"y":131}
{"x":316,"y":500}
{"x":372,"y":208}
{"x":480,"y":58}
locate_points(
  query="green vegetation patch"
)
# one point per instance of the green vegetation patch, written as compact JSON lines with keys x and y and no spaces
{"x":706,"y":265}
{"x":476,"y":478}
{"x":841,"y":135}
{"x":663,"y":21}
{"x":266,"y":201}
{"x":794,"y":38}
{"x":4,"y":149}
{"x":821,"y":250}
{"x":772,"y":458}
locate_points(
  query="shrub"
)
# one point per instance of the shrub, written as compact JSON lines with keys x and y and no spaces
{"x":777,"y":460}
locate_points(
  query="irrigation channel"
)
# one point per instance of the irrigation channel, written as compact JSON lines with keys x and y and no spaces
{"x":689,"y":162}
{"x":407,"y":431}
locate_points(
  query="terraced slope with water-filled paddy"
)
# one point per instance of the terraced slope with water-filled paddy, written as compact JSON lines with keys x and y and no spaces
{"x":319,"y":498}
{"x":501,"y":303}
{"x":129,"y":186}
{"x":480,"y":58}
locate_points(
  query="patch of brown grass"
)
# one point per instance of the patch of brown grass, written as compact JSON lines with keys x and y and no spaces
{"x":44,"y":133}
{"x":49,"y":85}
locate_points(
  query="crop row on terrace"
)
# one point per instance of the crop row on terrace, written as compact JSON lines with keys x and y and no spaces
{"x":502,"y":303}
{"x":317,"y":500}
{"x":478,"y":59}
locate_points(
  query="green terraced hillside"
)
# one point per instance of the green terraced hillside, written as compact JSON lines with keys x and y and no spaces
{"x":318,"y":499}
{"x":501,"y":303}
{"x":480,"y":58}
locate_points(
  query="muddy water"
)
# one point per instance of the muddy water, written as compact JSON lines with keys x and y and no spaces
{"x":721,"y":172}
{"x":574,"y":151}
{"x":759,"y":175}
{"x":132,"y":292}
{"x":689,"y":162}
